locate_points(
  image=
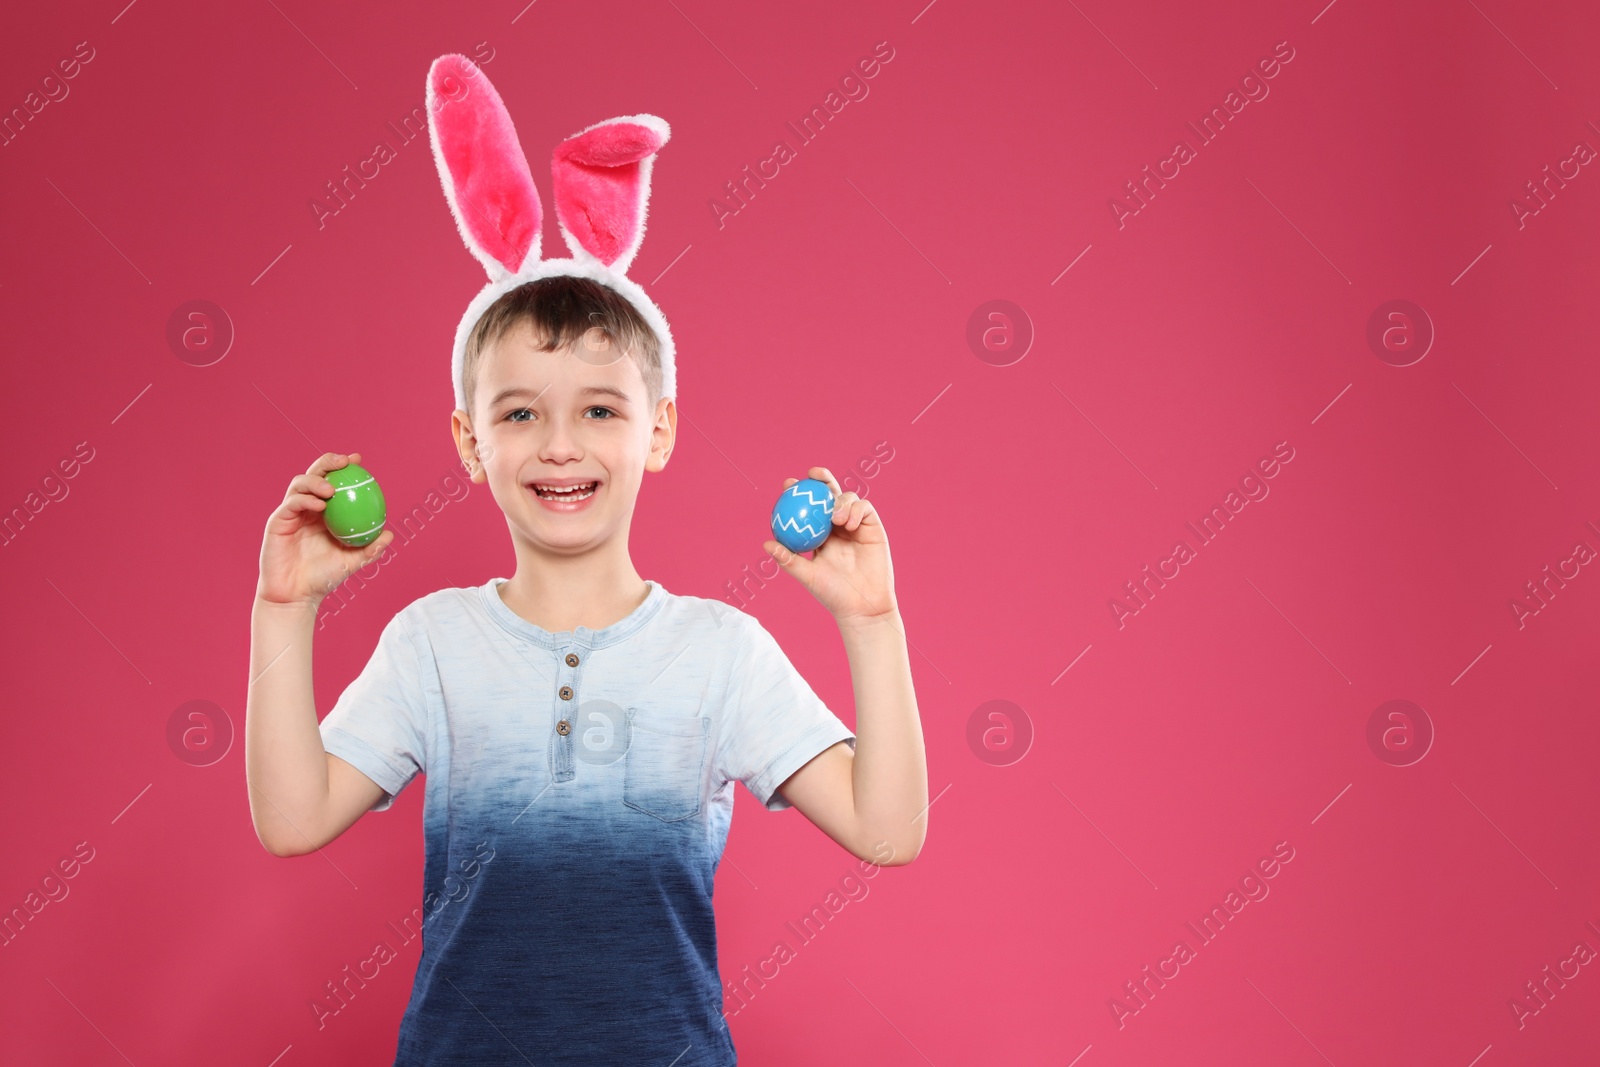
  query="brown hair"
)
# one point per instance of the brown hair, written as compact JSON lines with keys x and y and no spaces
{"x":561,"y":309}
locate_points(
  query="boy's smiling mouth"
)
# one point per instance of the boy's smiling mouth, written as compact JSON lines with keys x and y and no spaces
{"x":565,"y":494}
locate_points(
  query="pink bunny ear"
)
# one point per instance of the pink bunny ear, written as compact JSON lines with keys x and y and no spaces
{"x":602,"y":187}
{"x":482,"y":167}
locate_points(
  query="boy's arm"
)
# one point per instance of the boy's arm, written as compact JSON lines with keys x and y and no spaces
{"x":873,"y":801}
{"x":301,"y":797}
{"x":876,"y":798}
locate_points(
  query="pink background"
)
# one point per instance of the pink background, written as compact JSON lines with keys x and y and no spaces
{"x":828,"y":315}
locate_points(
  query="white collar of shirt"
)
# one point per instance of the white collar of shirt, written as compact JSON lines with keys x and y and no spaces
{"x":583,"y":636}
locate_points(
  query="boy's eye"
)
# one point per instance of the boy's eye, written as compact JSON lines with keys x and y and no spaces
{"x":511,"y":415}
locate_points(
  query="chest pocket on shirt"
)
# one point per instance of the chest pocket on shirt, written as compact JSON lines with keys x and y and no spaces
{"x":664,"y":765}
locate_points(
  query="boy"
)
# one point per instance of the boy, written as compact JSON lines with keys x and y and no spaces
{"x":581,"y":728}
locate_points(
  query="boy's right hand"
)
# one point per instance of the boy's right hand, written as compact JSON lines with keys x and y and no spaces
{"x":301,"y":561}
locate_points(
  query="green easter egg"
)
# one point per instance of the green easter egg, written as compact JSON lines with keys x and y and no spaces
{"x":356,"y":511}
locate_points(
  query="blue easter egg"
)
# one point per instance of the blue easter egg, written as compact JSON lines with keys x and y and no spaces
{"x":803,"y":515}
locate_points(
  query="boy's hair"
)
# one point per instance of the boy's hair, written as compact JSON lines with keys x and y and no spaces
{"x":561,"y":310}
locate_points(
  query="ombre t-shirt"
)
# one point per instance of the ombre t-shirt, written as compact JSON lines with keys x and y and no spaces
{"x":579,"y":790}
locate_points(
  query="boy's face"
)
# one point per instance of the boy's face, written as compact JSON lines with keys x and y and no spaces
{"x":558,"y":416}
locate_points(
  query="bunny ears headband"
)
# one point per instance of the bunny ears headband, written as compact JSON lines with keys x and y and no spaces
{"x":600,"y":180}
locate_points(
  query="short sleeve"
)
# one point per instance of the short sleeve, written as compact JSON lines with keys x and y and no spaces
{"x":774,"y":723}
{"x":379,"y":724}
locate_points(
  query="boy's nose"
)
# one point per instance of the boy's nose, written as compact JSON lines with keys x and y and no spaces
{"x":561,"y":439}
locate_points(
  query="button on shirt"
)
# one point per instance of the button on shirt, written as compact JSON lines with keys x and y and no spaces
{"x":579,"y":790}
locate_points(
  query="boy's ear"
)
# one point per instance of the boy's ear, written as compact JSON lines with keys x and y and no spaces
{"x":664,"y":435}
{"x":472,"y":453}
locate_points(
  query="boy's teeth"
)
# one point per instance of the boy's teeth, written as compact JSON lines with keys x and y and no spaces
{"x":576,"y":491}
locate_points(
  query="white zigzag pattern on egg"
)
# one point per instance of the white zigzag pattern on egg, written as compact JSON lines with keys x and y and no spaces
{"x":812,"y":498}
{"x":795,"y":527}
{"x":826,"y":499}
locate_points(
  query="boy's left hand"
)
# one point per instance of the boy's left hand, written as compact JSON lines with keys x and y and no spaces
{"x":850,"y":574}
